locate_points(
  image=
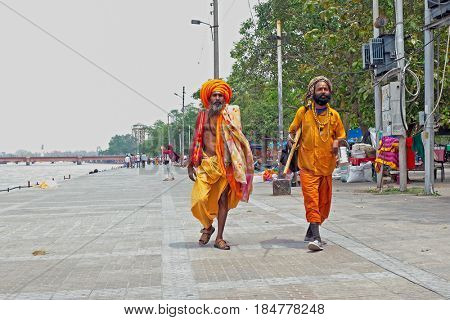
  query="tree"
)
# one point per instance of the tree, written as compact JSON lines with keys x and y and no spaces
{"x":320,"y":37}
{"x":121,"y":144}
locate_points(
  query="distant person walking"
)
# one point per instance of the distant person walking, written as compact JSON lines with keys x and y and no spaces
{"x":138,"y":161}
{"x":143,"y":159}
{"x":169,"y":156}
{"x":128,"y":161}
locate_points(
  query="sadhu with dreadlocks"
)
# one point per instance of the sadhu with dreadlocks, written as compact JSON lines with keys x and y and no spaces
{"x":221,"y":162}
{"x":321,"y":131}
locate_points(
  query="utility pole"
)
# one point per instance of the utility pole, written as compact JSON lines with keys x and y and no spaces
{"x":182,"y":127}
{"x":400,"y":47}
{"x":161,"y":140}
{"x":377,"y":94}
{"x":280,"y":95}
{"x":216,"y":39}
{"x":168,"y":128}
{"x":189,"y":134}
{"x":428,"y":135}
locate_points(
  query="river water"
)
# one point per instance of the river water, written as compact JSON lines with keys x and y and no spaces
{"x":12,"y":175}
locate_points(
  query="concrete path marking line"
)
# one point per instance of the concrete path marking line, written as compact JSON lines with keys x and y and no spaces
{"x":177,"y":277}
{"x":111,"y":293}
{"x":68,"y":214}
{"x":85,"y":206}
{"x":141,"y":252}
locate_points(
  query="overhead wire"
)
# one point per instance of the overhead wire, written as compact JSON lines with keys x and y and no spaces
{"x":227,"y":11}
{"x":202,"y":48}
{"x":416,"y":94}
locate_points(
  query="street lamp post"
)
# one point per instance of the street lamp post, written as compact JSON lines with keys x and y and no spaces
{"x":182,"y":122}
{"x":168,"y":128}
{"x":215,"y":30}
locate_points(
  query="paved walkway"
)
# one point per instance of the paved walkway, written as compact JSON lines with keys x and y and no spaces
{"x":125,"y":234}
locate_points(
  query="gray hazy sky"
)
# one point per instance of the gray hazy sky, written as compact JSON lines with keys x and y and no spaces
{"x":49,"y":95}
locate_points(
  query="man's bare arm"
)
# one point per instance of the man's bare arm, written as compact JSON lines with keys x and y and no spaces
{"x":191,"y":172}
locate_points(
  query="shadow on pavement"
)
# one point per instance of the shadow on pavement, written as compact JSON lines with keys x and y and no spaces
{"x":287,"y":243}
{"x":188,"y":245}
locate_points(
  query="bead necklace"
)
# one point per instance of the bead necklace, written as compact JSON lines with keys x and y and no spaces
{"x":322,"y":125}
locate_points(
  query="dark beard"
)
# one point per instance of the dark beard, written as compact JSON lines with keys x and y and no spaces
{"x":322,"y":99}
{"x":215,"y":108}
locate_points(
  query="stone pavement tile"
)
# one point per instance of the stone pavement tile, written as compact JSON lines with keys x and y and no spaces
{"x":138,"y":280}
{"x":34,"y":296}
{"x":285,"y":292}
{"x":359,"y":266}
{"x":437,"y":268}
{"x":106,"y":294}
{"x":239,"y":294}
{"x":351,"y":290}
{"x":406,"y":289}
{"x":144,"y":293}
{"x":22,"y":277}
{"x":71,"y":295}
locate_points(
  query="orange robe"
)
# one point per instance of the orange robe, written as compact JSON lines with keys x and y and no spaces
{"x":215,"y":173}
{"x":208,"y":187}
{"x":316,"y":160}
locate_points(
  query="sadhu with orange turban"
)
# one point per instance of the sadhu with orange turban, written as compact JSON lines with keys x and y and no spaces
{"x":321,"y":130}
{"x":215,"y":85}
{"x":221,"y":162}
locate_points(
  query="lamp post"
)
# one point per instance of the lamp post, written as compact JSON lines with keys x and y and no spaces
{"x":280,"y":97}
{"x":182,"y":122}
{"x":168,"y":128}
{"x":215,"y":30}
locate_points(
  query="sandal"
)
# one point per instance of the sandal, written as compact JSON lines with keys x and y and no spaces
{"x":206,"y":235}
{"x":221,"y":244}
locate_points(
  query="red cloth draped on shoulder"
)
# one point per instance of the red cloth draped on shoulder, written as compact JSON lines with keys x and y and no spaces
{"x":196,"y":151}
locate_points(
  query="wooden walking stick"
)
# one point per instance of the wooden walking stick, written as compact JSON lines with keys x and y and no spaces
{"x":294,"y":147}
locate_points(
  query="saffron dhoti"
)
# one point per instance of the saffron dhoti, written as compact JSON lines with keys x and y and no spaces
{"x":316,"y":196}
{"x":208,"y":187}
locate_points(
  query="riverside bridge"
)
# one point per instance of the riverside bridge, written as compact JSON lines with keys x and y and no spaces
{"x":75,"y":159}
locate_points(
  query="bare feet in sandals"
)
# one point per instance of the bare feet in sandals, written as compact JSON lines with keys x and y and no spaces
{"x":206,"y":235}
{"x":221,"y":244}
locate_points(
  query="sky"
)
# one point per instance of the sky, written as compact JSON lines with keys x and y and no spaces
{"x":140,"y":53}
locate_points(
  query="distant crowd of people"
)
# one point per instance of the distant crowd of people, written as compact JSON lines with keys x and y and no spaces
{"x":168,"y":158}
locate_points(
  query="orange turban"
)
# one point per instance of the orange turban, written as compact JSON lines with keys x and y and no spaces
{"x":215,"y":85}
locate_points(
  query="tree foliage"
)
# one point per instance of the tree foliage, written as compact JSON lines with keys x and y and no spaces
{"x":121,"y":144}
{"x":320,"y":37}
{"x":158,"y":132}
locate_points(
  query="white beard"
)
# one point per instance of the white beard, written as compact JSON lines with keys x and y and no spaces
{"x":215,"y":109}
